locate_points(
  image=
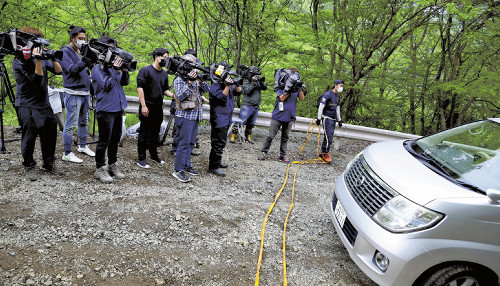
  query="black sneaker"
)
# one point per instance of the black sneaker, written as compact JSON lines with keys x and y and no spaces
{"x":181,"y":176}
{"x":30,"y":173}
{"x":157,"y":160}
{"x":223,"y":165}
{"x":143,"y":164}
{"x":217,"y":172}
{"x":192,"y":171}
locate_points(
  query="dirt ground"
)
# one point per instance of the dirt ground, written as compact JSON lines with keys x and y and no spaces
{"x":149,"y":229}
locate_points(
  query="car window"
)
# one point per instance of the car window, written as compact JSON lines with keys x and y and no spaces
{"x":469,"y":153}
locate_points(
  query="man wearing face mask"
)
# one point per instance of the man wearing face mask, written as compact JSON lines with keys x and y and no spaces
{"x":76,"y":85}
{"x":328,"y":113}
{"x":152,"y":85}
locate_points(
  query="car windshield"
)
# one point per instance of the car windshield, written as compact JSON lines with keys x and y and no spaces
{"x":469,"y":154}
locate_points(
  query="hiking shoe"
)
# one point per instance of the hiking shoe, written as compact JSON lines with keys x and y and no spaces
{"x":262,"y":156}
{"x":143,"y":164}
{"x":283,"y":159}
{"x":30,"y":173}
{"x":249,"y":140}
{"x":157,"y":160}
{"x":115,"y":172}
{"x":192,"y":171}
{"x":181,"y":176}
{"x":326,"y":157}
{"x":86,"y":150}
{"x":232,"y":140}
{"x":217,"y":172}
{"x":103,"y":175}
{"x":195,"y":152}
{"x":52,"y":168}
{"x":223,"y":165}
{"x":71,"y":157}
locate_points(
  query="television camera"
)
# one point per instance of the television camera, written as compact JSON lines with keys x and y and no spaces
{"x":288,"y":81}
{"x":21,"y":44}
{"x":182,"y":67}
{"x":106,"y":55}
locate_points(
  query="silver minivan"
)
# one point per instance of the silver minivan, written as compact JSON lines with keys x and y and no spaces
{"x":425,"y":211}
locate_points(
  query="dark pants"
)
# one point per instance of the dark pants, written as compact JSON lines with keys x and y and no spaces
{"x":186,"y":138}
{"x":38,"y":122}
{"x":329,"y":126}
{"x":110,"y":128}
{"x":273,"y":130}
{"x":149,"y":132}
{"x":218,"y":140}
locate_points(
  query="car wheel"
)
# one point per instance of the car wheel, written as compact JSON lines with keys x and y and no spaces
{"x":459,"y":275}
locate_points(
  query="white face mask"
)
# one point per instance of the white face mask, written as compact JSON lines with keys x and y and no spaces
{"x":79,"y":43}
{"x":340,"y":89}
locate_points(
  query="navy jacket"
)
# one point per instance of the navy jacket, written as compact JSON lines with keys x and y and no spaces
{"x":31,"y":89}
{"x":290,"y":107}
{"x":75,"y":76}
{"x":108,"y":89}
{"x":221,"y":106}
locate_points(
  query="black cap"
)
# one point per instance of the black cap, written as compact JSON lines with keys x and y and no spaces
{"x":338,"y":81}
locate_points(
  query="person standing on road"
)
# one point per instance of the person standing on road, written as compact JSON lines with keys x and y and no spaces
{"x":188,"y":114}
{"x":222,"y":95}
{"x":111,"y":102}
{"x":32,"y":102}
{"x":329,"y":109}
{"x":283,"y":115}
{"x":76,"y":83}
{"x":152,"y":85}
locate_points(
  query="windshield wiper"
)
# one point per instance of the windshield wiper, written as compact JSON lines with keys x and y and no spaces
{"x":469,"y":186}
{"x":431,"y":162}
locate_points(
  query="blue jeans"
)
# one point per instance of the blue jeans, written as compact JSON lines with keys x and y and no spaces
{"x":186,"y":138}
{"x":248,"y":114}
{"x":77,"y":114}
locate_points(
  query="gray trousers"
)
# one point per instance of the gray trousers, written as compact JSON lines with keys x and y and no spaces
{"x":273,"y":130}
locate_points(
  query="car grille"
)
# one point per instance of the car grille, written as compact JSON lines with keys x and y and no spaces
{"x":348,"y":229}
{"x":366,"y":188}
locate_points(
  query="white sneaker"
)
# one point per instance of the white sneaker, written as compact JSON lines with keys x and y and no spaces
{"x":71,"y":157}
{"x":86,"y":150}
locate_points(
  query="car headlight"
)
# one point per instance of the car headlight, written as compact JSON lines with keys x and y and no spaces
{"x":402,"y":215}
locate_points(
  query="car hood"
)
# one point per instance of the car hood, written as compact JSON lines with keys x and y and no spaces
{"x":408,"y":176}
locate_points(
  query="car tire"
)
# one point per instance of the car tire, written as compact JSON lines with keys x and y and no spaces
{"x":459,"y":275}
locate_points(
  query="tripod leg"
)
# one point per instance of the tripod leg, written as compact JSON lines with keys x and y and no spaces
{"x":170,"y":119}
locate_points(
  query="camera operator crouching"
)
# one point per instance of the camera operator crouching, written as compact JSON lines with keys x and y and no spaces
{"x":188,"y":114}
{"x":222,"y":94}
{"x":32,"y":101}
{"x":111,"y":102}
{"x":76,"y":83}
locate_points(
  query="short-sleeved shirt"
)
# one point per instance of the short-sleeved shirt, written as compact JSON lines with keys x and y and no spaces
{"x":31,"y":89}
{"x":290,"y":107}
{"x":331,"y":100}
{"x":154,"y":83}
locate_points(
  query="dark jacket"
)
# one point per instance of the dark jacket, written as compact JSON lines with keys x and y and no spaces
{"x":74,"y":72}
{"x":252,"y":93}
{"x":221,"y":106}
{"x":108,"y":89}
{"x":31,"y":89}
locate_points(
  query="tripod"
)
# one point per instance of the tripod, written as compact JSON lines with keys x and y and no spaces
{"x":5,"y":91}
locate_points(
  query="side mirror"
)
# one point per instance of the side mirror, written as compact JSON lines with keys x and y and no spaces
{"x":494,"y":195}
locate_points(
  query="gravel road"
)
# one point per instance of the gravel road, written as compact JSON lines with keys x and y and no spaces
{"x":149,"y":229}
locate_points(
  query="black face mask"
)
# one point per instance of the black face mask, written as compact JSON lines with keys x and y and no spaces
{"x":162,"y":63}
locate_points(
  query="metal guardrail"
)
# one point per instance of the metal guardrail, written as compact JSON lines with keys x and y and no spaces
{"x":301,"y":124}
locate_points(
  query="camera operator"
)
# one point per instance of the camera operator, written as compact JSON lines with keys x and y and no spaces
{"x":188,"y":114}
{"x":329,"y":109}
{"x":76,"y":85}
{"x":222,"y":96}
{"x":252,"y":88}
{"x":32,"y":100}
{"x":283,"y":115}
{"x":152,"y":85}
{"x":111,"y":102}
{"x":173,"y":149}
